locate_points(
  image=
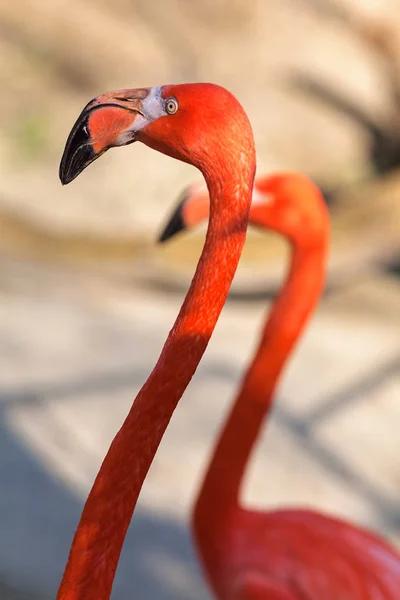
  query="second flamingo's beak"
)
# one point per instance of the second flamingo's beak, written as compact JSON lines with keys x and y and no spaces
{"x":176,"y":222}
{"x":193,"y":208}
{"x":112,"y":119}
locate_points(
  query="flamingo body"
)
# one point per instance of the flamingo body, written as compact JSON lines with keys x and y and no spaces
{"x":204,"y":125}
{"x":283,"y":554}
{"x":298,"y":555}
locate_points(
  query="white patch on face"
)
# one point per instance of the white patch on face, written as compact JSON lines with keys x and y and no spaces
{"x":199,"y":187}
{"x":153,"y":108}
{"x":124,"y":138}
{"x":259,"y":198}
{"x":153,"y":104}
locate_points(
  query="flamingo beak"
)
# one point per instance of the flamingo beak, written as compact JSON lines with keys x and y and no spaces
{"x":176,"y":222}
{"x":112,"y":119}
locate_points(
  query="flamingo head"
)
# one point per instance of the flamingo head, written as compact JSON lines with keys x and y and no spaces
{"x":288,"y":203}
{"x":190,"y":122}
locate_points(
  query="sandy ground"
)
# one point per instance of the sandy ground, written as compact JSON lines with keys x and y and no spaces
{"x":74,"y":349}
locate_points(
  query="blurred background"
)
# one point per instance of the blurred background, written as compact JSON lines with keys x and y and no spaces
{"x":86,"y":297}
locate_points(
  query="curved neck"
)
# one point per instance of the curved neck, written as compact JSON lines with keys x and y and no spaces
{"x":294,"y":305}
{"x":98,"y":541}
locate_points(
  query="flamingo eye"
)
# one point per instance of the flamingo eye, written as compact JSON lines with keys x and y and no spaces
{"x":171,"y":106}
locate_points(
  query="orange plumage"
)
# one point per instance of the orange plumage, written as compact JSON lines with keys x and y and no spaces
{"x":282,"y":554}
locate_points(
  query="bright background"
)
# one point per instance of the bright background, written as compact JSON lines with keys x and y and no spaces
{"x":86,"y":298}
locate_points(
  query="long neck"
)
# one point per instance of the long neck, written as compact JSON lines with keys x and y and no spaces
{"x":297,"y":299}
{"x":98,"y":541}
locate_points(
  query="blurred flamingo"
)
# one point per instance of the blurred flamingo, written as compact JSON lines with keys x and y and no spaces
{"x":204,"y":125}
{"x":286,"y":554}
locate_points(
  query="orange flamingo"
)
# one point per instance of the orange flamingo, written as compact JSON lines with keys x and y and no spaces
{"x":285,"y":554}
{"x":204,"y":125}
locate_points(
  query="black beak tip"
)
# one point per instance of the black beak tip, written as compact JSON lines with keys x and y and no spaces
{"x":174,"y":225}
{"x":63,"y":175}
{"x":78,"y":152}
{"x":74,"y":161}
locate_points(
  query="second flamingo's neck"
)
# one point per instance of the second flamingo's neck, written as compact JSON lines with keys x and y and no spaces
{"x":108,"y":510}
{"x":220,"y":492}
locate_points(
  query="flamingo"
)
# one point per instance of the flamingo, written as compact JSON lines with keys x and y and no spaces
{"x":204,"y":125}
{"x":284,"y":554}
